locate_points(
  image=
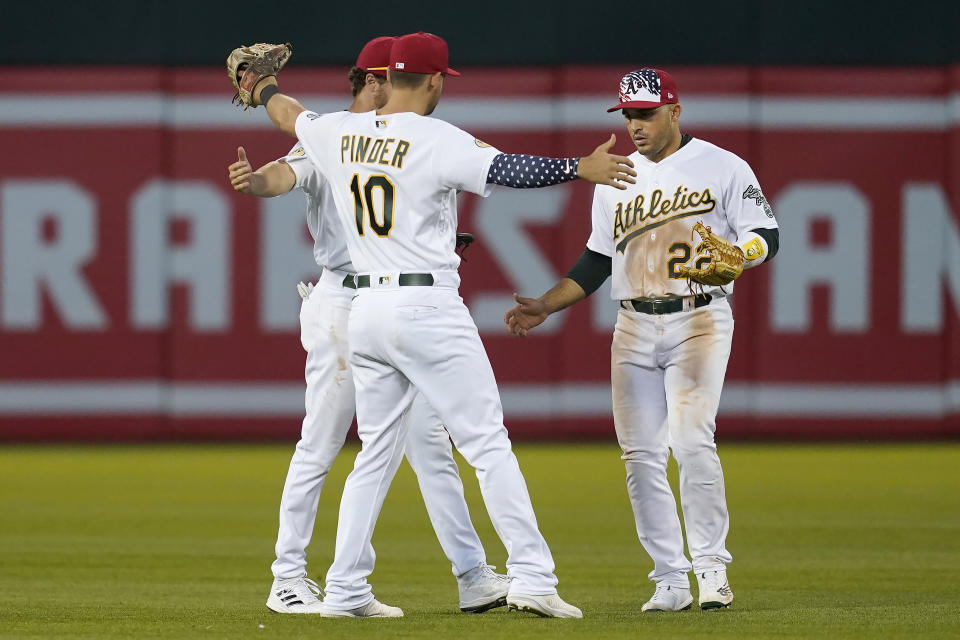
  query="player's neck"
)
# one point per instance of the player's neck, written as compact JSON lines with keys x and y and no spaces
{"x":362,"y":104}
{"x":402,"y":101}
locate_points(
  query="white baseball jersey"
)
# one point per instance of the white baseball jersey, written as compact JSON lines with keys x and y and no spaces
{"x":648,"y":229}
{"x":395,"y":180}
{"x":329,"y":246}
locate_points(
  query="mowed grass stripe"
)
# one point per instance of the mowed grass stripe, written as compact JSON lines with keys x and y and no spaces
{"x":176,"y":542}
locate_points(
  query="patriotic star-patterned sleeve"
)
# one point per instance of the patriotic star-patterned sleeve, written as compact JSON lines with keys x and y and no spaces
{"x":461,"y":161}
{"x":601,"y":235}
{"x":522,"y":171}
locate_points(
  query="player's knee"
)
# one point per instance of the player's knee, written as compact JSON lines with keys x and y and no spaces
{"x":689,"y":446}
{"x":485,"y":451}
{"x":656,"y":456}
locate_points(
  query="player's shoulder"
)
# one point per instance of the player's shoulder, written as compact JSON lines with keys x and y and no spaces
{"x":716,"y":155}
{"x":441,"y":127}
{"x":332,"y":118}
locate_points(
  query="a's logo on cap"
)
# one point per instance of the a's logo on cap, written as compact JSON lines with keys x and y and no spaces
{"x":398,"y":65}
{"x":642,"y":85}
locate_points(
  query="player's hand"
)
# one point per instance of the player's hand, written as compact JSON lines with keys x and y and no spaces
{"x":603,"y":167}
{"x":528,"y":313}
{"x":241,"y":173}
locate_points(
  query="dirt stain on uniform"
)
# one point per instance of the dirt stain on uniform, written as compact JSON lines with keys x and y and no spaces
{"x":700,"y":349}
{"x":650,"y":257}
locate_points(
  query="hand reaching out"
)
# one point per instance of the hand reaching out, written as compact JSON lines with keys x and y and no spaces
{"x":527,"y":314}
{"x":603,"y":167}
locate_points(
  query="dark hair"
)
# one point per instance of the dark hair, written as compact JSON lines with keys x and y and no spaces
{"x":358,"y":79}
{"x":406,"y":79}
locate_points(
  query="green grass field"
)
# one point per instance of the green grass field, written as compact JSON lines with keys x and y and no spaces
{"x":176,"y":542}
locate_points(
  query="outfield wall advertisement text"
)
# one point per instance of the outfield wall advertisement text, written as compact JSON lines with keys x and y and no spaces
{"x":141,"y":298}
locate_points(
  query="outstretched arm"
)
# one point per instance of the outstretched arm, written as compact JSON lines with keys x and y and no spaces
{"x":530,"y":312}
{"x":522,"y":171}
{"x":272,"y":179}
{"x":281,"y":108}
{"x":587,"y":274}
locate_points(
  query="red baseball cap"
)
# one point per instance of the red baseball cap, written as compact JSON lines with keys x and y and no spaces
{"x":421,"y":53}
{"x":375,"y":55}
{"x":646,"y":89}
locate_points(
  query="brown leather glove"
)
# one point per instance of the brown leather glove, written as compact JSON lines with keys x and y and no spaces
{"x":246,"y":66}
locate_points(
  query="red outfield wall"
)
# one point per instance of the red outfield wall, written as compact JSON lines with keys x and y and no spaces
{"x":141,"y":298}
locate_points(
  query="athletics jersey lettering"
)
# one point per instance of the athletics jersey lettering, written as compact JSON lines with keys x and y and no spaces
{"x":630,"y":213}
{"x":368,"y":150}
{"x":647,"y":230}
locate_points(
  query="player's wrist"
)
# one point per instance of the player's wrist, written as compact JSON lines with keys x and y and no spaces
{"x":258,"y":184}
{"x":753,"y":248}
{"x":258,"y":91}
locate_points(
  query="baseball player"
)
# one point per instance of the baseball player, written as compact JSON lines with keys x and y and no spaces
{"x":330,"y":400}
{"x":673,"y":333}
{"x":395,"y":175}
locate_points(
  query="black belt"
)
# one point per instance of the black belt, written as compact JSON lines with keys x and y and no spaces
{"x":405,"y":280}
{"x":661,"y":306}
{"x":348,"y":281}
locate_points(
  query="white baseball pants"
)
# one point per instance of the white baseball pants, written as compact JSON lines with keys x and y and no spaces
{"x":409,"y":339}
{"x":667,"y":374}
{"x":330,"y":407}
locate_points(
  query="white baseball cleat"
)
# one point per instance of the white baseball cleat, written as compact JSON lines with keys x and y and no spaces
{"x":373,"y":609}
{"x":715,"y":591}
{"x":482,"y":589}
{"x":551,"y":606}
{"x":295,"y":595}
{"x":668,"y":598}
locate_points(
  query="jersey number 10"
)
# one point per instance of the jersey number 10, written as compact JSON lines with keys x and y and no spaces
{"x":363,"y":203}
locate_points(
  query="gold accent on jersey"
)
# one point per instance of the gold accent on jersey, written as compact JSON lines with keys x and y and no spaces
{"x":374,"y":182}
{"x":363,"y":203}
{"x":354,"y":148}
{"x":631,"y":213}
{"x":681,"y":255}
{"x":753,"y":250}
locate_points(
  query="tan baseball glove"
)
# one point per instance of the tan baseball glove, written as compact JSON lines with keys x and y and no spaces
{"x":725,"y":264}
{"x":246,"y":66}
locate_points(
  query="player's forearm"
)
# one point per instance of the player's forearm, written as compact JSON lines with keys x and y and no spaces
{"x":522,"y":171}
{"x":272,"y":179}
{"x":759,"y":246}
{"x":563,"y":294}
{"x":282,"y":109}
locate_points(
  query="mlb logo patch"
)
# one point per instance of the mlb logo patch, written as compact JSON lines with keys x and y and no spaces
{"x":381,"y":124}
{"x":384,"y":280}
{"x":398,"y":65}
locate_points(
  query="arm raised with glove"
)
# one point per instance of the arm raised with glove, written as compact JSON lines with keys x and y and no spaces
{"x":253,"y":71}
